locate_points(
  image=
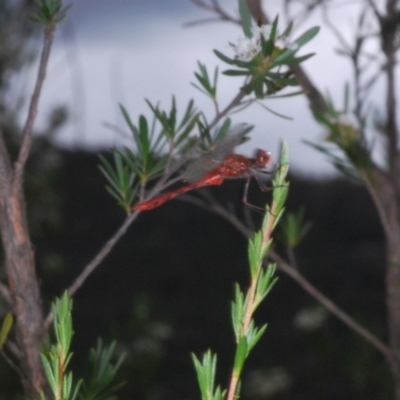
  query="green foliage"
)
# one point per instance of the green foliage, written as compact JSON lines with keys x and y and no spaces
{"x":49,"y":12}
{"x":294,"y":229}
{"x":101,"y":373}
{"x":56,"y":359}
{"x":176,"y":133}
{"x":206,"y":86}
{"x":120,"y":180}
{"x":153,"y":151}
{"x":164,"y":146}
{"x":245,"y":17}
{"x":244,"y":305}
{"x":267,"y":72}
{"x":205,"y":370}
{"x":160,"y":153}
{"x":346,"y":144}
{"x":6,"y":326}
{"x":280,"y":190}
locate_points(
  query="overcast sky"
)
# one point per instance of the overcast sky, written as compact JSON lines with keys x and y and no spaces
{"x":123,"y":51}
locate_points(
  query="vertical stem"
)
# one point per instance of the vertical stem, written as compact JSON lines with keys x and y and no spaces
{"x":250,"y":304}
{"x":389,"y":31}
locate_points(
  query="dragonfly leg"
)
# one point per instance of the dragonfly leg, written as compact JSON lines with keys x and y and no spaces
{"x":244,"y":198}
{"x":261,"y":185}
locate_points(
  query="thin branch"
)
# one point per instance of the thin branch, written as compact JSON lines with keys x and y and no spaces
{"x":375,"y":9}
{"x":5,"y":188}
{"x":110,"y":244}
{"x":216,"y":8}
{"x":346,"y":46}
{"x":11,"y":363}
{"x":116,"y":129}
{"x":367,"y":86}
{"x":95,"y":262}
{"x":315,"y":98}
{"x":234,"y":103}
{"x":6,"y":172}
{"x":33,"y":109}
{"x":388,"y":35}
{"x":331,"y":306}
{"x":91,"y":266}
{"x":5,"y":294}
{"x":307,"y":286}
{"x":201,"y":22}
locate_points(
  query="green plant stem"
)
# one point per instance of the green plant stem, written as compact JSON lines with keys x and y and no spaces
{"x":295,"y":274}
{"x":251,"y":294}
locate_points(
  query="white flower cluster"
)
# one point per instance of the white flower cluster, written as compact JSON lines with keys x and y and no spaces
{"x":345,"y":120}
{"x":248,"y":48}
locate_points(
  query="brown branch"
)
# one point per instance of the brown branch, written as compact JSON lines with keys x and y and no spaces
{"x":33,"y":109}
{"x":164,"y":182}
{"x":374,"y":8}
{"x":305,"y":284}
{"x":6,"y":174}
{"x":11,"y":363}
{"x":216,"y":8}
{"x":234,"y":103}
{"x":388,"y":35}
{"x":331,"y":306}
{"x":95,"y":262}
{"x":91,"y":266}
{"x":5,"y":294}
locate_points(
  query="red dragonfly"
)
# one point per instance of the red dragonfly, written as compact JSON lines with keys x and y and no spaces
{"x":220,"y":164}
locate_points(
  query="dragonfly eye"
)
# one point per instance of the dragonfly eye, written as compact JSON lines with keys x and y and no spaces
{"x":263,"y":158}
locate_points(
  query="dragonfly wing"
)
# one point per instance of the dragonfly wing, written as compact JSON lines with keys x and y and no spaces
{"x":199,"y":168}
{"x":221,"y":149}
{"x":235,"y":137}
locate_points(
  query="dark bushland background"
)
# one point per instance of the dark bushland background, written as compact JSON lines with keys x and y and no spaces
{"x":165,"y":290}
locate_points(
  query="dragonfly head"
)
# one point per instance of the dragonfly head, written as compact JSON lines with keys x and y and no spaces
{"x":263,"y":158}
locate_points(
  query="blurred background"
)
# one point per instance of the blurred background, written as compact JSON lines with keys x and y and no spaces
{"x":165,"y":290}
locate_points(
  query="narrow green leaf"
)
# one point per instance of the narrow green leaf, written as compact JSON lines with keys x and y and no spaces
{"x":256,"y":336}
{"x":205,"y":370}
{"x":274,"y":29}
{"x":49,"y":374}
{"x":245,"y":18}
{"x":307,"y":36}
{"x":76,"y":391}
{"x":237,"y":308}
{"x":252,"y":253}
{"x":224,"y":57}
{"x":283,"y":57}
{"x":66,"y":387}
{"x":346,"y":98}
{"x":200,"y":89}
{"x":131,"y":161}
{"x":5,"y":329}
{"x":108,"y":170}
{"x":116,"y":195}
{"x":235,"y":72}
{"x":288,"y":30}
{"x":240,"y":355}
{"x":265,"y":250}
{"x":278,"y":217}
{"x":128,"y":120}
{"x":297,"y":60}
{"x":265,"y":284}
{"x":144,"y":138}
{"x":188,"y":115}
